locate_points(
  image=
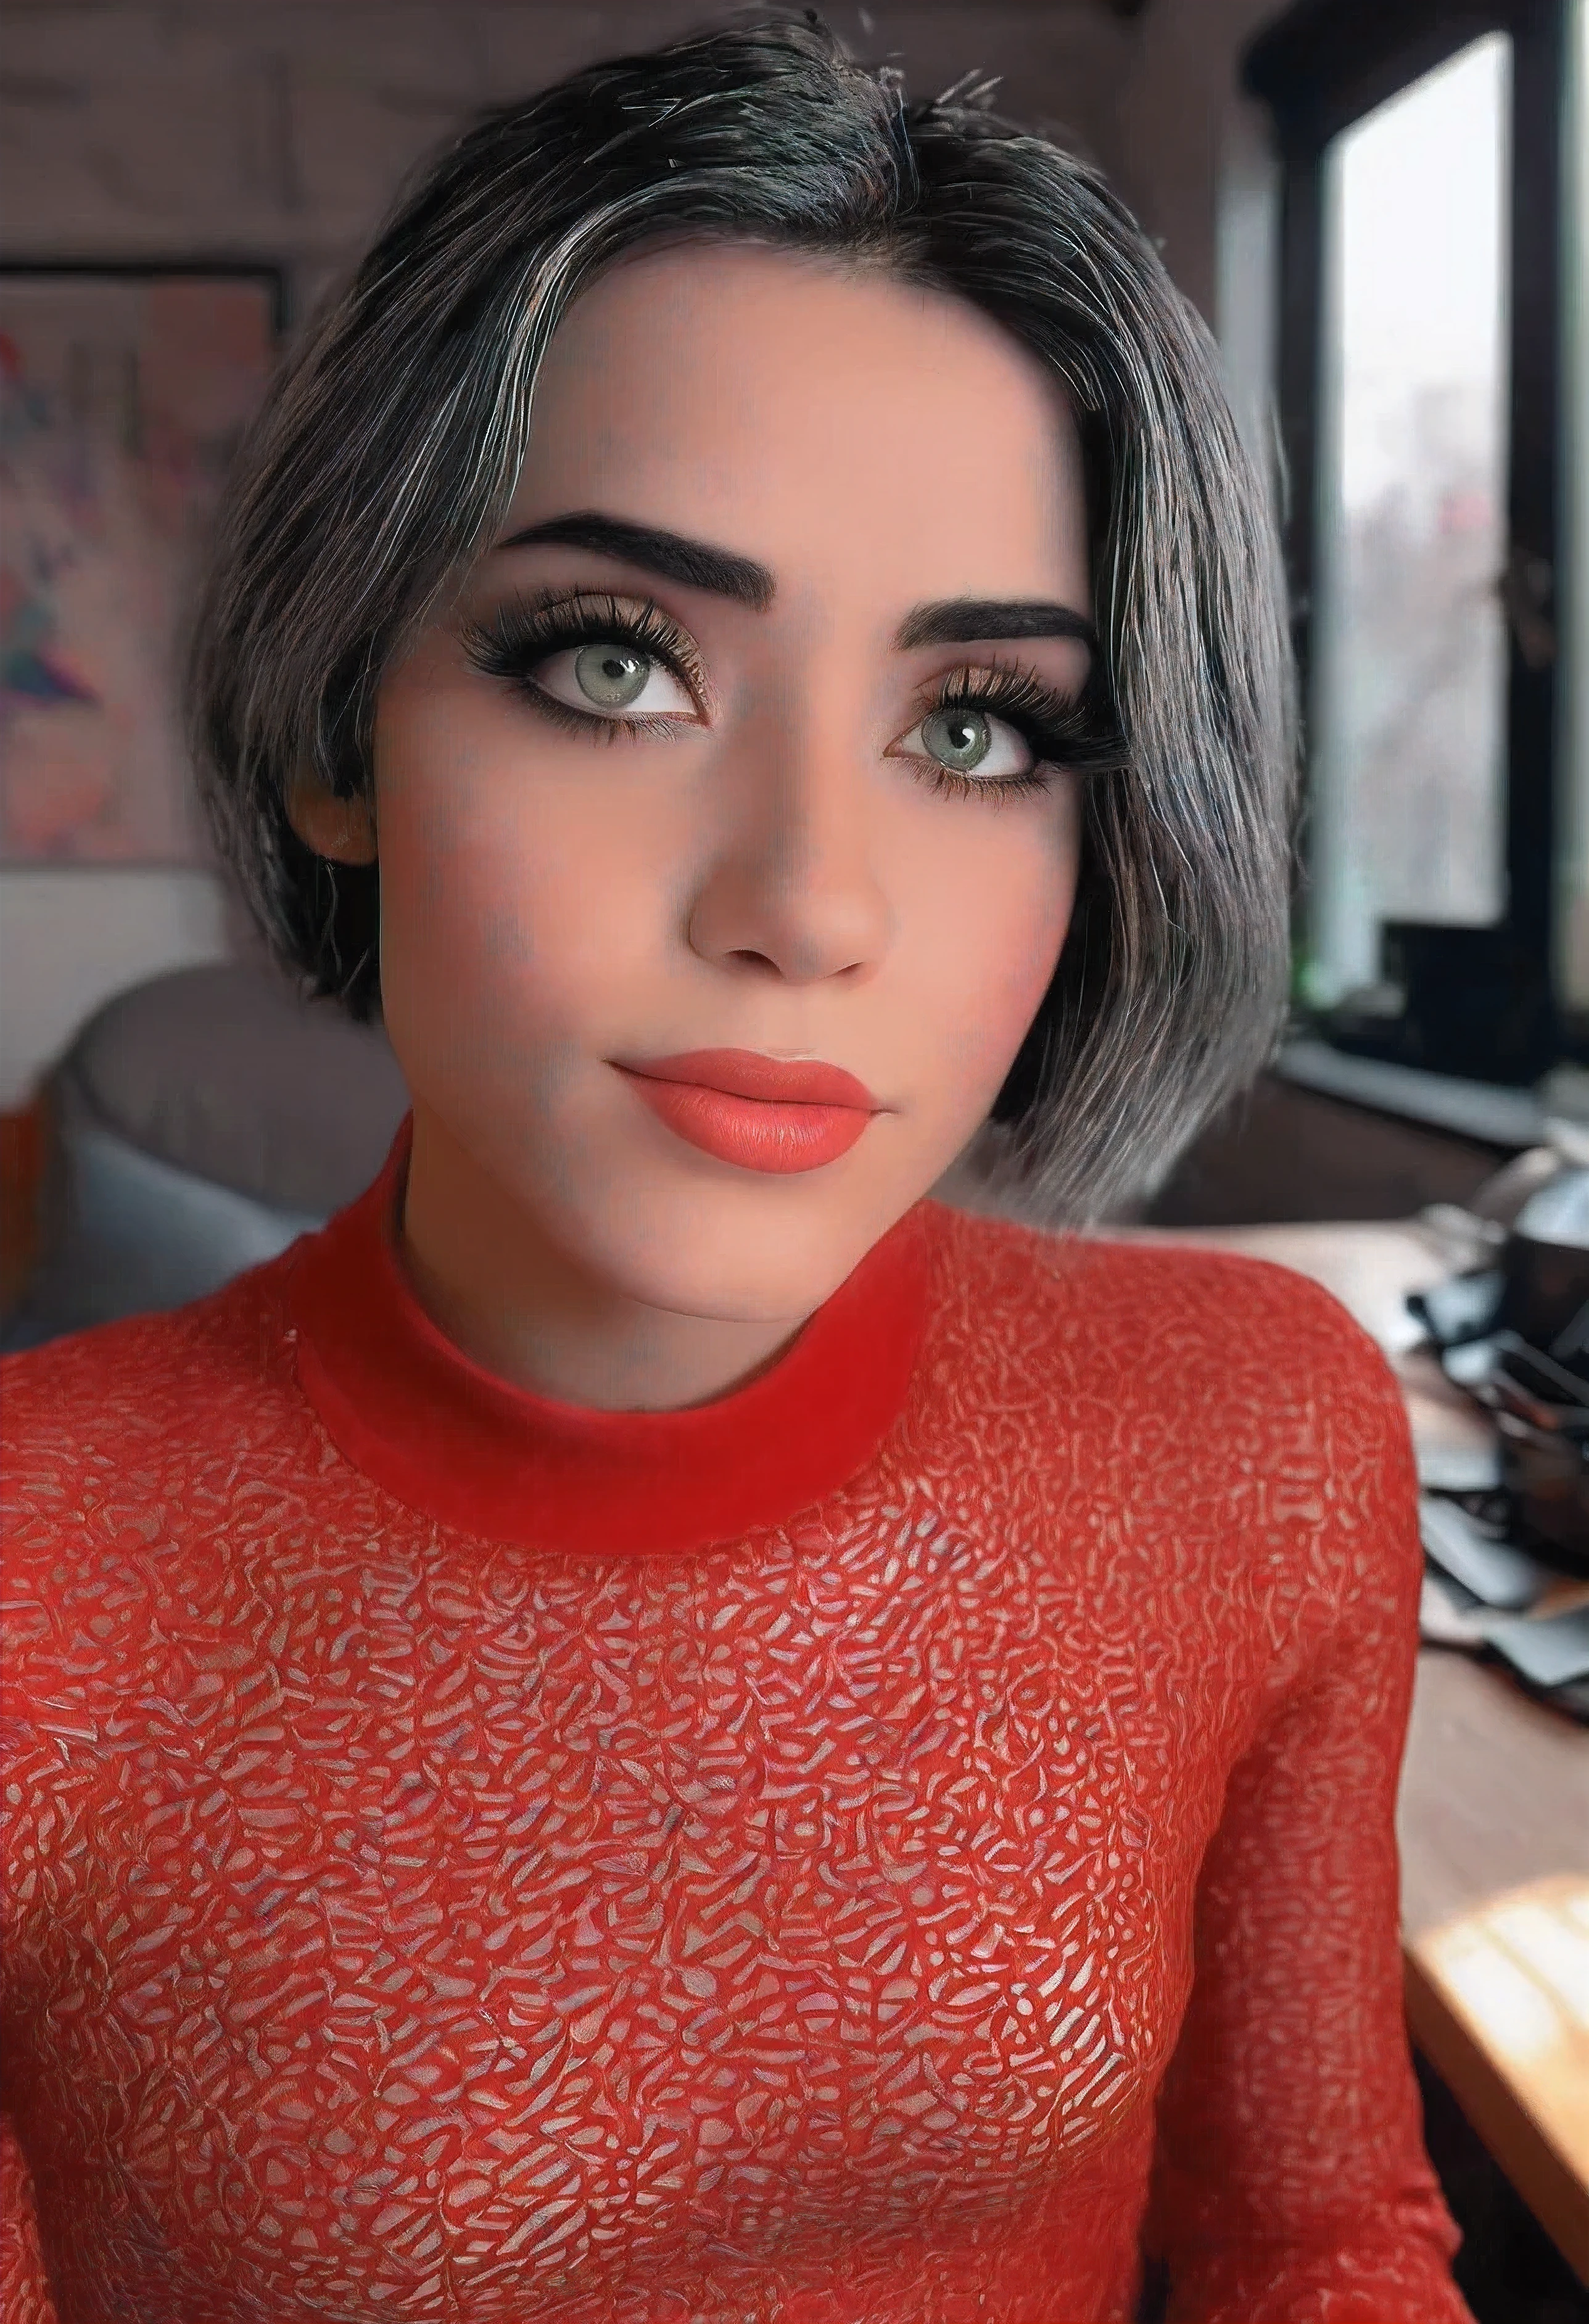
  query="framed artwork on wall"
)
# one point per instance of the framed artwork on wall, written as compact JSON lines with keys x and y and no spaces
{"x":124,"y":393}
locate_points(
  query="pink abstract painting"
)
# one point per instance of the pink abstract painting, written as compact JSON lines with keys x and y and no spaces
{"x":121,"y":402}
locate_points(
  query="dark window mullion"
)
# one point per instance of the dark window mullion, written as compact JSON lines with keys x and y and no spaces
{"x":1531,"y":499}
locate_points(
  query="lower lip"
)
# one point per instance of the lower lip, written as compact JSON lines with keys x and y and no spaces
{"x":756,"y":1133}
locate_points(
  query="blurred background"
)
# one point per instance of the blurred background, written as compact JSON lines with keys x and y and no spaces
{"x":1381,"y":207}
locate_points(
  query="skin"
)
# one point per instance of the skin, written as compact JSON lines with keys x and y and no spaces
{"x":775,"y":873}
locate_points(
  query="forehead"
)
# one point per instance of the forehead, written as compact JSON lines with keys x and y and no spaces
{"x":783,"y":404}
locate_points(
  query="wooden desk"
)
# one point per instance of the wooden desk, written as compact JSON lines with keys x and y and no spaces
{"x":1494,"y":1825}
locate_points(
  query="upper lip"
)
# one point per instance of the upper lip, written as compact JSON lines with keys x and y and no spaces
{"x":747,"y":1073}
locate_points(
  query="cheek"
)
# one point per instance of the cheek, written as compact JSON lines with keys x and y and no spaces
{"x":1011,"y":905}
{"x":493,"y":944}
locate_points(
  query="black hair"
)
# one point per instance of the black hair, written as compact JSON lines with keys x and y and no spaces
{"x":393,"y":439}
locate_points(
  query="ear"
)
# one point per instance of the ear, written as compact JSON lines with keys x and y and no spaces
{"x":341,"y":828}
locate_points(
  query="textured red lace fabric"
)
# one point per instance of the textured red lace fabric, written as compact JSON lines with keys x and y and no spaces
{"x":887,"y":1847}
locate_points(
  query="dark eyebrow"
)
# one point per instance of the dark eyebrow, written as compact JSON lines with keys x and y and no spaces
{"x":955,"y":621}
{"x":667,"y":554}
{"x":965,"y":621}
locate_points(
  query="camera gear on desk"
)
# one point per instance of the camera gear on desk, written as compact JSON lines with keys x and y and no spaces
{"x":1514,"y":1335}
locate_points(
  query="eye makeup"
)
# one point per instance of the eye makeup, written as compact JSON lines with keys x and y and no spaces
{"x":525,"y":632}
{"x":1066,"y":732}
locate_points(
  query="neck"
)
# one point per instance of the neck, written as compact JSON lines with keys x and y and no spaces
{"x":490,"y":1278}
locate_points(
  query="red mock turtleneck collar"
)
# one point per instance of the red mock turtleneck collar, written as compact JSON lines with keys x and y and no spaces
{"x":447,"y":1437}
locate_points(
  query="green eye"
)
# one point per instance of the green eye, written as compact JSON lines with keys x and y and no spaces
{"x":958,"y":739}
{"x":609,"y":675}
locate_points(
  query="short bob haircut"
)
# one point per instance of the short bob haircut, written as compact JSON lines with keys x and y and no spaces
{"x":392,"y":442}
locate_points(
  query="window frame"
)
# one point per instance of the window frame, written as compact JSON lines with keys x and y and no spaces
{"x":1481,"y":1004}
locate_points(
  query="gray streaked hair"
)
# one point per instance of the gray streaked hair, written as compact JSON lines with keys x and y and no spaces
{"x":392,"y":442}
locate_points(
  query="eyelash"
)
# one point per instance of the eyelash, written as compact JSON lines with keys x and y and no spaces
{"x":523,"y":633}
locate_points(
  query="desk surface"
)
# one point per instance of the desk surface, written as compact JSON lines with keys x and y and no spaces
{"x":1493,"y":1824}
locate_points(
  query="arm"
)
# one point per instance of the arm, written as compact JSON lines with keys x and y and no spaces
{"x":24,"y":2295}
{"x":1290,"y":2182}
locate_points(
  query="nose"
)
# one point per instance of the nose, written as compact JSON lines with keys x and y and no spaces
{"x":791,"y":879}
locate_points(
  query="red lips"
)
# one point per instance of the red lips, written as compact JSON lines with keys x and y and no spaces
{"x":761,"y":1113}
{"x":743,"y":1073}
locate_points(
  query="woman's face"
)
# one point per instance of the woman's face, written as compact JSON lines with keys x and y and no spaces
{"x":747,"y":827}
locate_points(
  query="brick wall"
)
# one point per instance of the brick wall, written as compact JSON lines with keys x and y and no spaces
{"x":279,"y":129}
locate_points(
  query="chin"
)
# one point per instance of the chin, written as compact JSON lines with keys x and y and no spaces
{"x":760,"y":1253}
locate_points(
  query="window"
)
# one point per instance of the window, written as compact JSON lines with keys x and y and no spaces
{"x":1432,"y":196}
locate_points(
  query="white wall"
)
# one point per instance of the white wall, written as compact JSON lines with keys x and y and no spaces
{"x":71,"y":937}
{"x":279,"y":132}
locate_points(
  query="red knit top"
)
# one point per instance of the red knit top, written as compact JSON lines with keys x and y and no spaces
{"x":894,"y":1843}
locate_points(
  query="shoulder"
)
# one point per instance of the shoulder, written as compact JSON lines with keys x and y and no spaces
{"x":1226,"y":1412}
{"x":1163,"y":1289}
{"x":105,"y":1435}
{"x":1190,"y":1334}
{"x":89,"y":1392}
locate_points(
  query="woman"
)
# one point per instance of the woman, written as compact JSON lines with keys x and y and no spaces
{"x":655,"y":1725}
